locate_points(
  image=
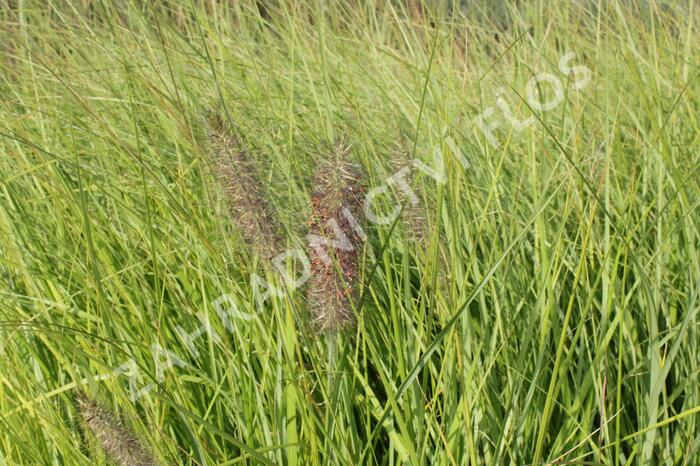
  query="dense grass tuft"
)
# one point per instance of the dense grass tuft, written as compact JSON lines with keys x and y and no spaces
{"x":536,"y":302}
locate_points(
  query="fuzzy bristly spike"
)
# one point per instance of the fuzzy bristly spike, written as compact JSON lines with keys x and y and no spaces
{"x":120,"y":444}
{"x":413,"y":215}
{"x":243,"y":189}
{"x":336,"y":217}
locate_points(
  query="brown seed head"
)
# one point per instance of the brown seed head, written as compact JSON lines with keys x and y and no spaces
{"x":245,"y":194}
{"x":120,"y":445}
{"x":413,"y":215}
{"x":335,"y":238}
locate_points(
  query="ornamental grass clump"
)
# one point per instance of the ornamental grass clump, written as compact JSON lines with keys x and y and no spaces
{"x":335,"y":238}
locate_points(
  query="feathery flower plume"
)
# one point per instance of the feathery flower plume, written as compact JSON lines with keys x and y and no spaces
{"x":120,"y":445}
{"x":413,"y":215}
{"x":335,"y":237}
{"x":249,"y":209}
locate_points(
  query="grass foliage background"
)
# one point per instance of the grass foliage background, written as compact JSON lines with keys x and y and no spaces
{"x":547,"y":310}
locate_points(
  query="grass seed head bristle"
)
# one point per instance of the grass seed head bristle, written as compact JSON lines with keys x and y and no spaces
{"x":413,"y":215}
{"x":120,"y":444}
{"x":243,"y":189}
{"x":337,"y":207}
